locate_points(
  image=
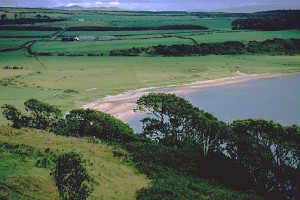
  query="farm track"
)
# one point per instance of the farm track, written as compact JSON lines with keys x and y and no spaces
{"x":193,"y":40}
{"x":26,"y":45}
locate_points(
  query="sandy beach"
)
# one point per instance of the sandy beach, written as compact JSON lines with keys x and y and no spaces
{"x":121,"y":106}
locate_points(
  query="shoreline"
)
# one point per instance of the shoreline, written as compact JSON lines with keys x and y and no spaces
{"x":121,"y":105}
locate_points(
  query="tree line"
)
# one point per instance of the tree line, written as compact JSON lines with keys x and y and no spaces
{"x":274,"y":46}
{"x":38,"y":19}
{"x":30,"y":28}
{"x":138,"y":28}
{"x":181,"y":144}
{"x":286,"y":22}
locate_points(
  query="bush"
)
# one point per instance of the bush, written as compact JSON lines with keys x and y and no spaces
{"x":88,"y":122}
{"x":71,"y":177}
{"x":40,"y":115}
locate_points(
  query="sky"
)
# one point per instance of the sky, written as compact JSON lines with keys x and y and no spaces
{"x":154,"y":4}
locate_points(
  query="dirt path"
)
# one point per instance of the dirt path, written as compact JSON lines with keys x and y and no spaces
{"x":25,"y":45}
{"x":121,"y":106}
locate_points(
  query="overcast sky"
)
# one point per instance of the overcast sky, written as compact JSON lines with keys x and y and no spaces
{"x":153,"y":4}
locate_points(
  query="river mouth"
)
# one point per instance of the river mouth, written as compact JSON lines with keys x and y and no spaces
{"x":276,"y":98}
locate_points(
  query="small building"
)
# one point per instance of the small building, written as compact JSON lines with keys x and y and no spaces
{"x":69,"y":39}
{"x":81,"y":20}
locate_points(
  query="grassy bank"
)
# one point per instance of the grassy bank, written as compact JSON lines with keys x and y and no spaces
{"x":21,"y":178}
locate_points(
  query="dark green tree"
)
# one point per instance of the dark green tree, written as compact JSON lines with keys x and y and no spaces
{"x":11,"y":113}
{"x":71,"y":177}
{"x":169,"y":118}
{"x":175,"y":121}
{"x":43,"y":115}
{"x":39,"y":115}
{"x":81,"y":122}
{"x":3,"y":17}
{"x":268,"y":152}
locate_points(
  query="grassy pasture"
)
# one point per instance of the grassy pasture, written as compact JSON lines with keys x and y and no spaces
{"x":133,"y":33}
{"x":152,"y":38}
{"x":244,"y":36}
{"x":85,"y":47}
{"x":21,"y":179}
{"x":6,"y":43}
{"x":47,"y":78}
{"x":216,"y":23}
{"x":64,"y":24}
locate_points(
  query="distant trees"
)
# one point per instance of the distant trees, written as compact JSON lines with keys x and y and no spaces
{"x":274,"y":46}
{"x":286,"y":22}
{"x":71,"y":177}
{"x":30,"y":28}
{"x":3,"y":17}
{"x":20,"y":20}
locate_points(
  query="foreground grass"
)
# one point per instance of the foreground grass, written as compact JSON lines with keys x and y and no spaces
{"x":21,"y":179}
{"x":70,"y":82}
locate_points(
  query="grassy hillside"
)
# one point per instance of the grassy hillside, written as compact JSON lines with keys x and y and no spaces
{"x":20,"y":178}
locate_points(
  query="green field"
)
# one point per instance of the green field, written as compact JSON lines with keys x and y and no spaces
{"x":130,"y":39}
{"x":244,"y":36}
{"x":85,"y":47}
{"x":6,"y":43}
{"x":46,"y":78}
{"x":77,"y":73}
{"x":134,"y":33}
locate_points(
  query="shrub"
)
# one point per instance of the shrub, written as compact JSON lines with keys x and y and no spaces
{"x":71,"y":177}
{"x":88,"y":122}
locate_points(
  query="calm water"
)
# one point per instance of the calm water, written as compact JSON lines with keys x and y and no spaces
{"x":276,"y":99}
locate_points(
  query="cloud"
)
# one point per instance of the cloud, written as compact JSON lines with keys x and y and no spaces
{"x":114,"y":3}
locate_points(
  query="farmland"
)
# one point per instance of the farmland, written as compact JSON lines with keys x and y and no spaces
{"x":35,"y":63}
{"x":50,"y":78}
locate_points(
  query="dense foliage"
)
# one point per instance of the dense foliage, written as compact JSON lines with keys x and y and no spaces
{"x":265,"y":151}
{"x":176,"y":122}
{"x":274,"y":46}
{"x":269,"y":152}
{"x":88,"y":122}
{"x":71,"y":177}
{"x":286,"y":22}
{"x":139,"y":28}
{"x":39,"y":115}
{"x":181,"y":145}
